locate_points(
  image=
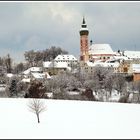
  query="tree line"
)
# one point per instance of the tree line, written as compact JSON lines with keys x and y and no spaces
{"x":32,"y":58}
{"x":35,"y":58}
{"x":98,"y":86}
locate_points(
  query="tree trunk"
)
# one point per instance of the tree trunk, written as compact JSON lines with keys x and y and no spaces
{"x":110,"y":93}
{"x":38,"y":118}
{"x":106,"y":96}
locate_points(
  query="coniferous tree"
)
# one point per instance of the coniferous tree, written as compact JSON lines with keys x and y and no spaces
{"x":36,"y":90}
{"x":13,"y":88}
{"x":8,"y":63}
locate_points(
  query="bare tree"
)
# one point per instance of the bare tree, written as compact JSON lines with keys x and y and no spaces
{"x":35,"y":58}
{"x":108,"y":85}
{"x":136,"y":87}
{"x":30,"y":57}
{"x":119,"y":83}
{"x":36,"y":106}
{"x":8,"y":63}
{"x":19,"y":68}
{"x":52,"y":52}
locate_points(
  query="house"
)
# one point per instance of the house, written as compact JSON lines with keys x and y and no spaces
{"x":33,"y":70}
{"x":26,"y":80}
{"x":124,"y":66}
{"x":136,"y":72}
{"x":69,"y":59}
{"x":89,"y":67}
{"x":132,"y":54}
{"x":9,"y":75}
{"x":34,"y":73}
{"x":54,"y":67}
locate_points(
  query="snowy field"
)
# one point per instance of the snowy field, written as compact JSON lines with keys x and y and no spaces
{"x":69,"y":119}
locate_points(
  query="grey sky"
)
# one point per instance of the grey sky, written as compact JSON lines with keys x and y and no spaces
{"x":39,"y":25}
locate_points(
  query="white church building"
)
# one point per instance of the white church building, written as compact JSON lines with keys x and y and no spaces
{"x":100,"y":52}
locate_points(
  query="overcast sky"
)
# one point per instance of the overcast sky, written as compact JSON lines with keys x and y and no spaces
{"x":29,"y":25}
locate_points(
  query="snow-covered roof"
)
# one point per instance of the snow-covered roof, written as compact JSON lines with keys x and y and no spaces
{"x":95,"y":49}
{"x":26,"y":71}
{"x":49,"y":64}
{"x":26,"y":80}
{"x":114,"y":65}
{"x":47,"y":75}
{"x":117,"y":59}
{"x":120,"y":58}
{"x":84,"y":29}
{"x":9,"y":75}
{"x":90,"y":64}
{"x":38,"y":75}
{"x":132,"y":54}
{"x":103,"y":64}
{"x":32,"y":69}
{"x":66,"y":57}
{"x":136,"y":68}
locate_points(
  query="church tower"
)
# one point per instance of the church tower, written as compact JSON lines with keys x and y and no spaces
{"x":84,"y":55}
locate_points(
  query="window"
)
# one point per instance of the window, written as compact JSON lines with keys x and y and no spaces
{"x":125,"y":69}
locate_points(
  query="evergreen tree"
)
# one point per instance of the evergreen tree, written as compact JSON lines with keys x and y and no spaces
{"x":36,"y":90}
{"x":8,"y":63}
{"x":13,"y":88}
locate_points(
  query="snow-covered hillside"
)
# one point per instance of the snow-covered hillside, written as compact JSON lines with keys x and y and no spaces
{"x":69,"y":119}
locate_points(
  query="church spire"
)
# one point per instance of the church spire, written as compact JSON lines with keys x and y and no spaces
{"x":84,"y":20}
{"x":84,"y":29}
{"x":84,"y":23}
